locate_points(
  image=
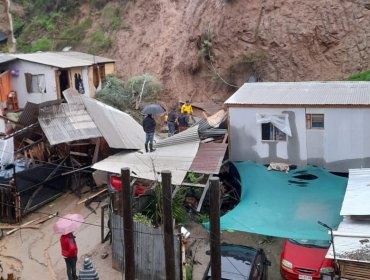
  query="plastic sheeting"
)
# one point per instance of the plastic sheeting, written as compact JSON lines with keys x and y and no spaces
{"x":6,"y":151}
{"x":286,"y":205}
{"x":280,"y":121}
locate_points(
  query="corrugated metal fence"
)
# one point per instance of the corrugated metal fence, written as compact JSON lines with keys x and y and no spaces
{"x":149,"y":250}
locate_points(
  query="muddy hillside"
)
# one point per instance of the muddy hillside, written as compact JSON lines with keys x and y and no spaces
{"x":277,"y":40}
{"x":205,"y":49}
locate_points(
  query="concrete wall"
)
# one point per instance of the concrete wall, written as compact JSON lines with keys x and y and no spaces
{"x":337,"y":147}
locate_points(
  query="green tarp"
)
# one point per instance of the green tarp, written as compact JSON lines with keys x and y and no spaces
{"x":286,"y":205}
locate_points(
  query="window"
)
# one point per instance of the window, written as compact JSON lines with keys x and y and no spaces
{"x":272,"y":133}
{"x":314,"y":121}
{"x":35,"y":83}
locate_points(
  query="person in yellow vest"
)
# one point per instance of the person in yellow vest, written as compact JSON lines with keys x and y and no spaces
{"x":186,"y":108}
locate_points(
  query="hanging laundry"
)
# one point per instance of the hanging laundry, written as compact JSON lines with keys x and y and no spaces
{"x":79,"y":84}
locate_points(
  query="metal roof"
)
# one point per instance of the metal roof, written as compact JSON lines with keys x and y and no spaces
{"x":356,"y":198}
{"x":119,"y":129}
{"x":355,"y":246}
{"x":67,"y":122}
{"x":296,"y":94}
{"x":176,"y":158}
{"x":63,"y":59}
{"x":209,"y":157}
{"x":5,"y":58}
{"x":30,"y":112}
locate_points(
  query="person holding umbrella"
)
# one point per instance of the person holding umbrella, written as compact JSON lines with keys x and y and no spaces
{"x":66,"y":226}
{"x":149,"y":128}
{"x":69,"y":252}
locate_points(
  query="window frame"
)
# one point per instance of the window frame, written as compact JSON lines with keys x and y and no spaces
{"x":275,"y":132}
{"x":310,"y":121}
{"x":31,"y":84}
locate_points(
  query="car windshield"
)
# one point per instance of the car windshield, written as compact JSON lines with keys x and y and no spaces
{"x":311,"y":243}
{"x":236,"y":262}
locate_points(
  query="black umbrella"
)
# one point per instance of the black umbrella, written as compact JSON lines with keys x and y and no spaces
{"x":153,"y":109}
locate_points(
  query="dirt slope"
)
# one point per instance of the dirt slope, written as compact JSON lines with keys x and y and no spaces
{"x":302,"y":40}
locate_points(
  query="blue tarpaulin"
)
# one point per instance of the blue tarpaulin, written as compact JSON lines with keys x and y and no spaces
{"x":286,"y":205}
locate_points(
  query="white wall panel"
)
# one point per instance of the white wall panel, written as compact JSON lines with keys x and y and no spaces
{"x":19,"y":83}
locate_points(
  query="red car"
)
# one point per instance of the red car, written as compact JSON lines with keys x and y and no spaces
{"x":305,"y":260}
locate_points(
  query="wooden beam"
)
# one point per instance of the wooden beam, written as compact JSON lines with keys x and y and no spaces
{"x":203,"y":196}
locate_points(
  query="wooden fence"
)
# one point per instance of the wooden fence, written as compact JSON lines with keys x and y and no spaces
{"x":149,"y":250}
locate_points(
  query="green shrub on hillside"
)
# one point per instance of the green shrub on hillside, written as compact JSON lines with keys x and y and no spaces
{"x":125,"y":98}
{"x":113,"y":93}
{"x":146,"y":85}
{"x":98,"y":42}
{"x":111,"y":19}
{"x":42,"y":44}
{"x":206,"y":44}
{"x":363,"y":76}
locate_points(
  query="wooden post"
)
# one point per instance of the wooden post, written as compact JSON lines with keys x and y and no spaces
{"x":128,"y":228}
{"x":168,"y":226}
{"x":214,"y":219}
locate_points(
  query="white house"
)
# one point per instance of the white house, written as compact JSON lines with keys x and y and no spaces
{"x":42,"y":76}
{"x":320,"y":123}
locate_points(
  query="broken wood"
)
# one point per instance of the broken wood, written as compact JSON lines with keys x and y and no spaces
{"x":18,"y":227}
{"x":92,"y":196}
{"x":44,"y":219}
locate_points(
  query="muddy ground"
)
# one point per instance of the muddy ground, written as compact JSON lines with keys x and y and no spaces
{"x":34,"y":254}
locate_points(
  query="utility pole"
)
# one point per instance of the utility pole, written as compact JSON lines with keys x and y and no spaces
{"x":128,"y":228}
{"x":214,"y":219}
{"x":168,"y":226}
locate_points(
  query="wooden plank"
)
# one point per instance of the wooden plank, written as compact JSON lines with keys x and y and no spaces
{"x":203,"y":196}
{"x":92,"y":196}
{"x":44,"y":219}
{"x":194,"y":185}
{"x":19,"y":227}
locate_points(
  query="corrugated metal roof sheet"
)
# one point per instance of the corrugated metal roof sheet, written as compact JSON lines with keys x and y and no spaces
{"x":352,"y":248}
{"x":6,"y":58}
{"x":30,"y":112}
{"x":63,"y":59}
{"x":356,"y":198}
{"x":175,"y":158}
{"x":302,"y":94}
{"x":209,"y":158}
{"x":119,"y":129}
{"x":67,"y":122}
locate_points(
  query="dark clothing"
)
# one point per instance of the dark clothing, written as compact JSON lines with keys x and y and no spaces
{"x":171,"y":128}
{"x":149,"y":124}
{"x":172,"y":116}
{"x":183,"y":120}
{"x":71,"y":268}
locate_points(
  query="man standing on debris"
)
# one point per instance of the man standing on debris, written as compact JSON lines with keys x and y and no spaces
{"x":171,"y":121}
{"x":69,"y":252}
{"x":149,"y":128}
{"x":186,"y":108}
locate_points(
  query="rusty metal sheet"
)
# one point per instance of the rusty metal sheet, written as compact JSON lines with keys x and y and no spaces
{"x":209,"y":158}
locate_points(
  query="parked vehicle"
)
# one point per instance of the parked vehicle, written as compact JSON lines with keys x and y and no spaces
{"x":241,"y":262}
{"x":305,"y":260}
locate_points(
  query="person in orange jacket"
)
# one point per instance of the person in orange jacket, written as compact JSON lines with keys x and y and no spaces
{"x":69,"y":252}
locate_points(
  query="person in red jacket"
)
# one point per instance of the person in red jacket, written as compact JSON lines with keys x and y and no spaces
{"x":69,"y":252}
